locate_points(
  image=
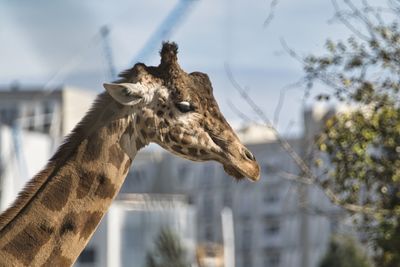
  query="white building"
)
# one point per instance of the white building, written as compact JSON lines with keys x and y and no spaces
{"x":134,"y":221}
{"x":17,"y":162}
{"x":32,"y":124}
{"x":53,"y":112}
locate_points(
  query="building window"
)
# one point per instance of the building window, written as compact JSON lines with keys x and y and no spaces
{"x":271,"y":194}
{"x":272,"y":228}
{"x":246,"y":241}
{"x":88,"y":256}
{"x":48,"y":107}
{"x":130,"y":231}
{"x":183,"y":173}
{"x":209,"y":234}
{"x":272,"y":259}
{"x":227,"y":199}
{"x":48,"y":113}
{"x":271,"y":197}
{"x":246,"y":256}
{"x":8,"y":116}
{"x":270,"y":167}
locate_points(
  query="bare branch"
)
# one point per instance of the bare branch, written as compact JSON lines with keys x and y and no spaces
{"x":258,"y":111}
{"x":271,"y":13}
{"x":238,"y":112}
{"x":342,"y":16}
{"x":281,"y":100}
{"x":291,"y":51}
{"x":307,"y":174}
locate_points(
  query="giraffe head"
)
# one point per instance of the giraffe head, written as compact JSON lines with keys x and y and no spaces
{"x":177,"y":110}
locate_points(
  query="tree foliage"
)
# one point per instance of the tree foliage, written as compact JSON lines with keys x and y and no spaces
{"x":363,"y":144}
{"x":344,"y":252}
{"x":168,"y":251}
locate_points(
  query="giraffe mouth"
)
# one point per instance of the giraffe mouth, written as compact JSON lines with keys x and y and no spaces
{"x":232,"y":171}
{"x":240,"y":174}
{"x":238,"y":163}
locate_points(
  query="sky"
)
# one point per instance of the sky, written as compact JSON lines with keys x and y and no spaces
{"x":52,"y":42}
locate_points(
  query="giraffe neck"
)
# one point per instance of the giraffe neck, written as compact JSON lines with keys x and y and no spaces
{"x":57,"y":213}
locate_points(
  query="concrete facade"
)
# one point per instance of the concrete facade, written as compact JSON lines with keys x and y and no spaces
{"x":32,"y":125}
{"x":132,"y":225}
{"x":53,"y":112}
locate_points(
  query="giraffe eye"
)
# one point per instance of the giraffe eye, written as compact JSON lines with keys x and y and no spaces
{"x":184,"y":106}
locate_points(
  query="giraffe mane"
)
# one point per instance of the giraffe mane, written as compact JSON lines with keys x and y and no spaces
{"x":63,"y":153}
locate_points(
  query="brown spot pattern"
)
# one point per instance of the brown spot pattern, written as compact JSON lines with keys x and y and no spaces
{"x":46,"y":227}
{"x":173,"y":138}
{"x":56,"y":194}
{"x":69,"y":223}
{"x":116,"y":156}
{"x":193,"y":151}
{"x":177,"y":148}
{"x":93,"y":148}
{"x":86,"y":179}
{"x":166,"y":139}
{"x":152,"y":134}
{"x":163,"y":124}
{"x":106,"y":188}
{"x":27,"y":243}
{"x":186,"y":140}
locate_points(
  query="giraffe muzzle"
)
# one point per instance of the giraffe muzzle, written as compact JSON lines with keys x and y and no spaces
{"x":243,"y":164}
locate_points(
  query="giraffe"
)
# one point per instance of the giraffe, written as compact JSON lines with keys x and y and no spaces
{"x":58,"y":211}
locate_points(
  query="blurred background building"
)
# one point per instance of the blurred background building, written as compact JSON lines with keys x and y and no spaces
{"x":132,"y":225}
{"x":32,"y":125}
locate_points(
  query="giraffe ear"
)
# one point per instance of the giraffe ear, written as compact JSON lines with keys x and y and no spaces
{"x":126,"y":93}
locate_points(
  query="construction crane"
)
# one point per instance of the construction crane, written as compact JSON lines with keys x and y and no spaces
{"x":104,"y":32}
{"x":163,"y":32}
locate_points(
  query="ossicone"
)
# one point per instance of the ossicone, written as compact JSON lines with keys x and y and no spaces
{"x":168,"y":53}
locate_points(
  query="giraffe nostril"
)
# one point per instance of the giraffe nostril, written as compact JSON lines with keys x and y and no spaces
{"x":249,"y":155}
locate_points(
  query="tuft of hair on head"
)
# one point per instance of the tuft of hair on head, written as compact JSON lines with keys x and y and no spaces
{"x":169,"y":53}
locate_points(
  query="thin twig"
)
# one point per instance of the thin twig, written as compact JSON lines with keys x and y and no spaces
{"x":341,"y":15}
{"x":305,"y":169}
{"x":271,"y":13}
{"x":281,"y":100}
{"x":286,"y":146}
{"x":238,"y":112}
